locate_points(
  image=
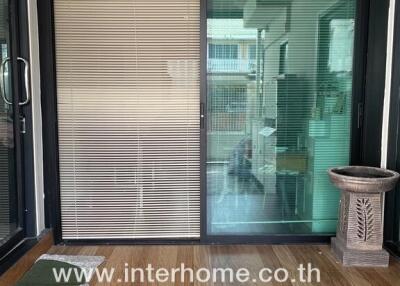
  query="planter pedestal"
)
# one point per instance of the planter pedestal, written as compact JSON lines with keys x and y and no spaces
{"x":359,"y":235}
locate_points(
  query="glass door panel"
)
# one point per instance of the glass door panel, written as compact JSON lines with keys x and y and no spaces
{"x":9,"y":207}
{"x":279,"y":96}
{"x":8,"y":223}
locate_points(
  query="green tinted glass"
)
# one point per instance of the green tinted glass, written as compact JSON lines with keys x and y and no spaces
{"x":278,"y":113}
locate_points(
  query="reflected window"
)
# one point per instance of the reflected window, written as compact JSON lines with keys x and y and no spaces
{"x":218,"y":51}
{"x":283,"y":58}
{"x":252,"y":52}
{"x":341,"y":45}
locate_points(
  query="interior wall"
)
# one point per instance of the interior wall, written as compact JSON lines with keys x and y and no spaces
{"x":388,"y":83}
{"x":36,"y":115}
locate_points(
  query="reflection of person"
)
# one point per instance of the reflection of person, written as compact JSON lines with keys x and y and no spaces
{"x":6,"y":132}
{"x":238,"y":163}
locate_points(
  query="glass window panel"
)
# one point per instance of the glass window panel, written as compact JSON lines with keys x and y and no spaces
{"x":8,"y":187}
{"x":283,"y":58}
{"x":220,"y":51}
{"x":279,"y":112}
{"x":252,"y":52}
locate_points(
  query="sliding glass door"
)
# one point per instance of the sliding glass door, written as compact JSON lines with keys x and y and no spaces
{"x":14,"y":101}
{"x":279,"y":96}
{"x":277,"y":112}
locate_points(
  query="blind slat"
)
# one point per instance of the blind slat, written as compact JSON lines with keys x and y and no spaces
{"x":128,"y":105}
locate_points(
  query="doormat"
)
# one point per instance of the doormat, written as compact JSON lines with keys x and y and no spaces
{"x":43,"y":271}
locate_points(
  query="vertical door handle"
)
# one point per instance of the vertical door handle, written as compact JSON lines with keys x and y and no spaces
{"x":202,"y":115}
{"x":3,"y":85}
{"x":26,"y":81}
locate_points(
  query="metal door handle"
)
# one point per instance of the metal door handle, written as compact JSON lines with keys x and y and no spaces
{"x":3,"y":87}
{"x":26,"y":80}
{"x":27,"y":84}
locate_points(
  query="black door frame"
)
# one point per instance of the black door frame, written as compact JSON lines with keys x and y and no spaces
{"x":23,"y":143}
{"x":368,"y":86}
{"x":28,"y":168}
{"x":392,"y":202}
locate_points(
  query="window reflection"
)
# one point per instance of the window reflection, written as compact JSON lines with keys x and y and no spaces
{"x":279,"y":110}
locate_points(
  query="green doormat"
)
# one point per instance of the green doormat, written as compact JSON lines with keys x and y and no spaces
{"x":46,"y":270}
{"x":42,"y":274}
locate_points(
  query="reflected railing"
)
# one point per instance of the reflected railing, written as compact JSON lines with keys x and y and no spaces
{"x":231,"y":65}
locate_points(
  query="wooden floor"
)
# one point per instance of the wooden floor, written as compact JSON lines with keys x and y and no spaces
{"x":253,"y":257}
{"x":16,"y":271}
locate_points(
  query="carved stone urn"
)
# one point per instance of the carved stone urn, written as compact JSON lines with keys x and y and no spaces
{"x":359,"y":235}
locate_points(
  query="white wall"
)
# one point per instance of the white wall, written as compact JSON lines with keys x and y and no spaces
{"x":388,"y":83}
{"x":36,"y":115}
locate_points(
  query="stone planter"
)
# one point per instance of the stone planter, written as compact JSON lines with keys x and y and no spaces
{"x":359,"y":235}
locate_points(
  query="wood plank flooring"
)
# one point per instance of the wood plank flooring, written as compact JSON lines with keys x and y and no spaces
{"x":12,"y":275}
{"x":253,"y":257}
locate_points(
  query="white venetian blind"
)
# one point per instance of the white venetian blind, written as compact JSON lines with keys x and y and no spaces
{"x":128,"y":116}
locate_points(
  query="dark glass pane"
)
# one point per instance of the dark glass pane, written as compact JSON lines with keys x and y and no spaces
{"x":8,"y":195}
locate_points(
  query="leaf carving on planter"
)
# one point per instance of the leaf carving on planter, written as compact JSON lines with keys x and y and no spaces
{"x":365,"y":219}
{"x":343,"y":215}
